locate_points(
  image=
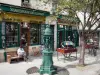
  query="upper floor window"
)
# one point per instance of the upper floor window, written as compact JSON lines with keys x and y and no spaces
{"x":25,"y":3}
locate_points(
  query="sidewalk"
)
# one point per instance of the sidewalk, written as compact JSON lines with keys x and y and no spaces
{"x":92,"y":66}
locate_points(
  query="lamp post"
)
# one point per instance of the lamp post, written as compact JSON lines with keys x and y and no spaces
{"x":47,"y":64}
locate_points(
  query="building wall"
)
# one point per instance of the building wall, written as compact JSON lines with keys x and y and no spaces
{"x":37,"y":4}
{"x":12,"y":2}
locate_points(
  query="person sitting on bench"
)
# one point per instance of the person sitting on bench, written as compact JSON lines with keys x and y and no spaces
{"x":21,"y":52}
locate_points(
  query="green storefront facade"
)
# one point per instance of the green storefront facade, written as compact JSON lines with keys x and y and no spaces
{"x":16,"y":15}
{"x":15,"y":21}
{"x":67,"y":30}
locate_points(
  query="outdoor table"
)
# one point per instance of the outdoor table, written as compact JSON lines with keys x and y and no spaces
{"x":66,"y":51}
{"x":92,"y":49}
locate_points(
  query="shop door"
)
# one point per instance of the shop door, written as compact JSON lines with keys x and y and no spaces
{"x":25,"y":33}
{"x":61,"y":37}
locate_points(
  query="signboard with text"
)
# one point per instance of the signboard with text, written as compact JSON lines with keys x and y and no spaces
{"x":17,"y":9}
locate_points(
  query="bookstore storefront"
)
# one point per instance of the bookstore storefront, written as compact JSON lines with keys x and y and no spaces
{"x":16,"y":21}
{"x":67,"y":30}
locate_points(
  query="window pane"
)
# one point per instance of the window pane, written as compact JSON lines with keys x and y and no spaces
{"x":11,"y":34}
{"x":34,"y":33}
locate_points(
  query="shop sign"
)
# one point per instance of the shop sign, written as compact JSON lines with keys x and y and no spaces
{"x":23,"y":10}
{"x":33,"y":12}
{"x":64,"y":21}
{"x":67,"y":19}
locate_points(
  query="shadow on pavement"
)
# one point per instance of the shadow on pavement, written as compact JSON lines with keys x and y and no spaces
{"x":32,"y":70}
{"x":60,"y":71}
{"x":71,"y":66}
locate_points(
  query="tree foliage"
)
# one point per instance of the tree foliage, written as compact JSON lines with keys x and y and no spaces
{"x":90,"y":10}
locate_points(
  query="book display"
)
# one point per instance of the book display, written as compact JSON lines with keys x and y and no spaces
{"x":34,"y":34}
{"x":11,"y":34}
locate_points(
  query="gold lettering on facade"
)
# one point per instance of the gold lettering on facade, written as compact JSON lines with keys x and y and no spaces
{"x":26,"y":11}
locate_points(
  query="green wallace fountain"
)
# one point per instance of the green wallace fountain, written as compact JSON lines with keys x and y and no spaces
{"x":47,"y":63}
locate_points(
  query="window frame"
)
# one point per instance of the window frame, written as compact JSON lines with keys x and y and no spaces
{"x":17,"y":35}
{"x":38,"y":34}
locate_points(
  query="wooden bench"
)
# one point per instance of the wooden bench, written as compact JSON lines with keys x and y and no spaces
{"x":12,"y":56}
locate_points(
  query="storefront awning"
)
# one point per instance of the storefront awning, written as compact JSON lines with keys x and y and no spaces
{"x":22,"y":10}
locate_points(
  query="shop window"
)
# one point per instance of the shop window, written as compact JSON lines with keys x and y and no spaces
{"x":25,"y":1}
{"x":11,"y":34}
{"x":34,"y":34}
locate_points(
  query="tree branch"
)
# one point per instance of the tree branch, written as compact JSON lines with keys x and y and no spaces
{"x":91,"y":9}
{"x":95,"y":17}
{"x":79,"y":20}
{"x":96,"y":28}
{"x":84,"y":21}
{"x":66,"y":8}
{"x":96,"y":21}
{"x":85,"y":12}
{"x":93,"y":24}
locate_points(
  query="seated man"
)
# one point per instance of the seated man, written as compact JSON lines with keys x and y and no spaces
{"x":21,"y":52}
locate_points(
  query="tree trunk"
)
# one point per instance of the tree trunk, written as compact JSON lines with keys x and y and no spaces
{"x":82,"y":51}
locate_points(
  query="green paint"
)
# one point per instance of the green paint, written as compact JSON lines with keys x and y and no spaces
{"x":63,"y":33}
{"x":5,"y":56}
{"x":68,"y":18}
{"x":76,"y":38}
{"x":47,"y":64}
{"x":0,"y":36}
{"x":18,"y":34}
{"x":17,"y":9}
